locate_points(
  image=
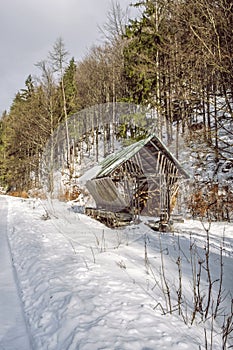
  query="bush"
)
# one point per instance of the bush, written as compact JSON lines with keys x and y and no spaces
{"x":212,"y":201}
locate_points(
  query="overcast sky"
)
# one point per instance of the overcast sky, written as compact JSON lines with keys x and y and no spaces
{"x":29,"y":29}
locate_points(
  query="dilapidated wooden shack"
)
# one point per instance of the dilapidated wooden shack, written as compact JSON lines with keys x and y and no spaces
{"x":141,"y":179}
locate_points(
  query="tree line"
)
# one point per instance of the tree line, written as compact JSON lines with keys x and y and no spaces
{"x":175,"y":57}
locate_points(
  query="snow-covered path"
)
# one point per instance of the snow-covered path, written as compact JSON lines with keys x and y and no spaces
{"x":13,"y":331}
{"x":83,"y":286}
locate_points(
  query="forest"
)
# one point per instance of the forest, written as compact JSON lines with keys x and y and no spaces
{"x":175,"y":58}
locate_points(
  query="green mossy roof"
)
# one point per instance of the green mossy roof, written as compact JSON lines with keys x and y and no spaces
{"x":113,"y":161}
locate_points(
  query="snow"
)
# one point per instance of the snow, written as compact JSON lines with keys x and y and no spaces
{"x":13,"y":328}
{"x":79,"y":285}
{"x":89,"y":174}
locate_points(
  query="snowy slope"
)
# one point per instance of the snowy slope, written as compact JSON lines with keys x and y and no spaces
{"x":85,"y":286}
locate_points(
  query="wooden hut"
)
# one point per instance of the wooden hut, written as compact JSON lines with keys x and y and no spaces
{"x":142,"y":178}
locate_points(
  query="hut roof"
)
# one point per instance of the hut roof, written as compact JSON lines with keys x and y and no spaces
{"x":113,"y":161}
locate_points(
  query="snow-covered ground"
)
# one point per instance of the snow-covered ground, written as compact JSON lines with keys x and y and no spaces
{"x":13,"y":331}
{"x":84,"y":286}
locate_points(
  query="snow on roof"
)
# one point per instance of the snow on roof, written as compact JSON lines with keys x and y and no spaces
{"x":89,"y":174}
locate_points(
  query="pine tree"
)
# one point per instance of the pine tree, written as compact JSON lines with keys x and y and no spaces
{"x":70,"y":88}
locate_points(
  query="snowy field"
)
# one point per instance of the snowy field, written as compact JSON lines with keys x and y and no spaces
{"x":84,"y":286}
